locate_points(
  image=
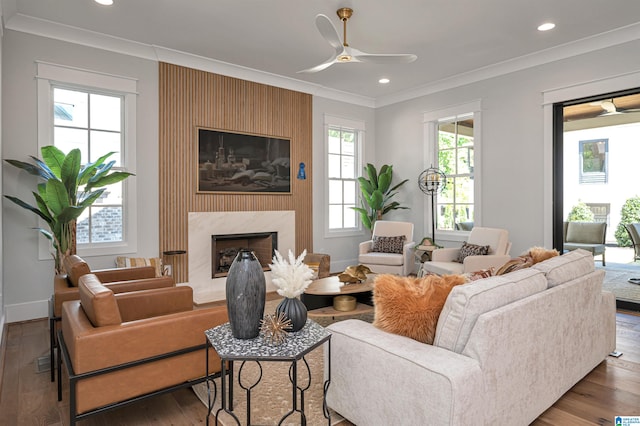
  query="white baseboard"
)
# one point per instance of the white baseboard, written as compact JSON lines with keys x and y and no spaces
{"x":2,"y":324}
{"x":27,"y":311}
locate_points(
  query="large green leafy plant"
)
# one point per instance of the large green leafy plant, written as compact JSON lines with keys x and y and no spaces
{"x":68,"y":188}
{"x":580,"y":213}
{"x":376,"y":194}
{"x":630,"y":213}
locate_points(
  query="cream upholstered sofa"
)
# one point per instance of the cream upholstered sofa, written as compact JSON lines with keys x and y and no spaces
{"x":506,"y":348}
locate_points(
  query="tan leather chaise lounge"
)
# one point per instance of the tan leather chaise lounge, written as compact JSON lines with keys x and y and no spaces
{"x":120,"y":280}
{"x":120,"y":348}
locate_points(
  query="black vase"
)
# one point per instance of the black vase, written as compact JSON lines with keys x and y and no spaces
{"x":245,"y":291}
{"x":295,"y":310}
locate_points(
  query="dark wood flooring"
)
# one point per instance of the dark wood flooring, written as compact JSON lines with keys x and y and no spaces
{"x":29,"y":398}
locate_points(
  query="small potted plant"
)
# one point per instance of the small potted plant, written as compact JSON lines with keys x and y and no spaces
{"x":291,"y":277}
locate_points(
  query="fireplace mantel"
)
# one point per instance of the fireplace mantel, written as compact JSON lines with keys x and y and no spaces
{"x":202,"y":225}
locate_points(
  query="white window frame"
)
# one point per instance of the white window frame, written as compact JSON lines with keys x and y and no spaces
{"x":431,"y":121}
{"x":50,"y":75}
{"x":359,"y":127}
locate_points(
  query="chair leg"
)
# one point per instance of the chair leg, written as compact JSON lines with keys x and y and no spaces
{"x":52,"y":346}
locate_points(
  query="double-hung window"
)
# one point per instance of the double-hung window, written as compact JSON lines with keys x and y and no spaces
{"x":453,"y":142}
{"x":95,"y":113}
{"x":343,"y":146}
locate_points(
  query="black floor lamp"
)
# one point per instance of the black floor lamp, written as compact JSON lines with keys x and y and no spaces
{"x":432,"y":181}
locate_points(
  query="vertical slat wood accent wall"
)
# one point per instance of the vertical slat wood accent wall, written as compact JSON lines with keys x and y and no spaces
{"x":191,"y":98}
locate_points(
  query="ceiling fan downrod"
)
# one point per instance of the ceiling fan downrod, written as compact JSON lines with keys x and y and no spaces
{"x":344,"y":14}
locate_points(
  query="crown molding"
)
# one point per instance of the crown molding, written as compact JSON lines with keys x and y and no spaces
{"x":54,"y":30}
{"x":557,"y":53}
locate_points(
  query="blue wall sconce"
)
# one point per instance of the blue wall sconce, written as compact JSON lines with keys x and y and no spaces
{"x":301,"y":173}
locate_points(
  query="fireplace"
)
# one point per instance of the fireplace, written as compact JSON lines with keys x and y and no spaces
{"x":225,"y":247}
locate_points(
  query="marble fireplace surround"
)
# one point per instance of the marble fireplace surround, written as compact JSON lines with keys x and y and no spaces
{"x":202,"y":225}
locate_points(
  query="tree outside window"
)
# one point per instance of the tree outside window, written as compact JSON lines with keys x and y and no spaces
{"x":343,"y":163}
{"x":455,"y":206}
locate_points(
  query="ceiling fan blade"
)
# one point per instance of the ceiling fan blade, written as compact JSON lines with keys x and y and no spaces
{"x":320,"y":67}
{"x":328,"y":31}
{"x":386,"y":58}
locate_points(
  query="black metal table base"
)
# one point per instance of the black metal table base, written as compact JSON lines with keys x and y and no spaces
{"x":226,"y":392}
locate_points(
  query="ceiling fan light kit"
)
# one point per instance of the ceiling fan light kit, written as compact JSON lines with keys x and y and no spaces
{"x":345,"y":53}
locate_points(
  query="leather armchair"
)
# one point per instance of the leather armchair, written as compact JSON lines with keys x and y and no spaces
{"x":443,"y":259}
{"x":389,"y":263}
{"x":120,"y":280}
{"x":126,"y":346}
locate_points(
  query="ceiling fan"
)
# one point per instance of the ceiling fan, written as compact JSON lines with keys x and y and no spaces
{"x":610,"y":108}
{"x":345,"y":53}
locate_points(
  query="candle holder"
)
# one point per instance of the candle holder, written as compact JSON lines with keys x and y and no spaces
{"x":432,"y":181}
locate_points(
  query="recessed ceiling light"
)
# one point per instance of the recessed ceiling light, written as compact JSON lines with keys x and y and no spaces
{"x":104,"y":2}
{"x":546,"y":26}
{"x":384,"y":81}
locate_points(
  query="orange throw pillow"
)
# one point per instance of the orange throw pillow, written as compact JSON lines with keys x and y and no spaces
{"x":411,"y":306}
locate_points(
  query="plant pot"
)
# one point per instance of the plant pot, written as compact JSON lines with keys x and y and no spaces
{"x":294,"y":310}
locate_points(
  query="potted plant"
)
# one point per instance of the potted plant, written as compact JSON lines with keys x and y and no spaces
{"x":68,"y":188}
{"x":376,"y":194}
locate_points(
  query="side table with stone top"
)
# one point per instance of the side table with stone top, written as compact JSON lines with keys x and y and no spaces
{"x":259,"y":349}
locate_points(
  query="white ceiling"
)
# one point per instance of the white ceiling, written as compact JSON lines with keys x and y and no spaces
{"x":452,"y":38}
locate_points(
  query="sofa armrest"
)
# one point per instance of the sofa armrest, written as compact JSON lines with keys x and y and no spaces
{"x":142,"y":284}
{"x":409,"y":259}
{"x":92,"y":348}
{"x":478,"y":263}
{"x":445,"y":254}
{"x":125,"y":274}
{"x":63,"y":292}
{"x":152,"y":303}
{"x":365,"y":247}
{"x":372,"y":370}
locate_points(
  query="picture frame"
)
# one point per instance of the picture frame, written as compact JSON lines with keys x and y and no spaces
{"x":235,"y":162}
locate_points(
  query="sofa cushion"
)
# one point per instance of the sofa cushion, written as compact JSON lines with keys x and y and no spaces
{"x":388,"y":244}
{"x":75,"y":267}
{"x":569,"y":266}
{"x":132,"y":262}
{"x":389,"y":259}
{"x":467,"y":302}
{"x":471,"y":250}
{"x":98,"y":302}
{"x":411,"y":306}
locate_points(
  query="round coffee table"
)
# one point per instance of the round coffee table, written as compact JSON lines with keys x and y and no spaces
{"x":318,"y":297}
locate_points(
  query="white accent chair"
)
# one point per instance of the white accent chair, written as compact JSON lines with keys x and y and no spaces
{"x":389,"y":263}
{"x":443,"y":260}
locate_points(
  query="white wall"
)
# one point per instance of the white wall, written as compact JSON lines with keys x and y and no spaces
{"x":2,"y":310}
{"x":624,"y":151}
{"x":343,"y":250}
{"x":513,"y":137}
{"x":28,"y":281}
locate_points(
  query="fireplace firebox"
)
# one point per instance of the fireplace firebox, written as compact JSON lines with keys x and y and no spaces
{"x":225,"y":247}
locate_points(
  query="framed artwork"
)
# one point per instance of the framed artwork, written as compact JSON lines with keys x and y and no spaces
{"x":243,"y":163}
